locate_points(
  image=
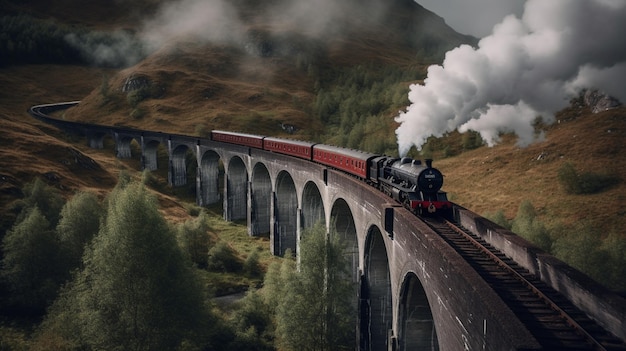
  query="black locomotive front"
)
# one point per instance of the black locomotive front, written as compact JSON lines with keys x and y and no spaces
{"x":415,"y":175}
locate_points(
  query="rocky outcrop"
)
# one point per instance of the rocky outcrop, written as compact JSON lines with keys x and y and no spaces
{"x":599,"y":101}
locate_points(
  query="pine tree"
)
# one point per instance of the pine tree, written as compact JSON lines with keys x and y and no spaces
{"x":29,"y":266}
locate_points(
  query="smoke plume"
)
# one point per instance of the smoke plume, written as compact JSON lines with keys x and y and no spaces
{"x":528,"y":67}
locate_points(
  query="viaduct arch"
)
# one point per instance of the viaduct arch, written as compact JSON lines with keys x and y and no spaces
{"x":412,"y":289}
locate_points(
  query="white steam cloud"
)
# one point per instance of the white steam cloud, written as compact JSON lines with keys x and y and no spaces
{"x":528,"y":67}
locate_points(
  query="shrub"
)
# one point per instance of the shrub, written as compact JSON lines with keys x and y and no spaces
{"x":584,"y":183}
{"x":202,"y":130}
{"x":194,"y":239}
{"x":498,"y":218}
{"x":615,"y":247}
{"x":137,"y":113}
{"x":46,"y":198}
{"x":30,"y":265}
{"x":252,"y":313}
{"x":251,"y":266}
{"x":223,"y":258}
{"x":471,"y":140}
{"x":581,"y":248}
{"x":527,"y":225}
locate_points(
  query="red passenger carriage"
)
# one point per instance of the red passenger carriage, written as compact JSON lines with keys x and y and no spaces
{"x":352,"y":161}
{"x":251,"y":140}
{"x":297,"y":148}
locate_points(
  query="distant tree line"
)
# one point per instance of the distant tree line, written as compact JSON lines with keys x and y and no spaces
{"x":28,"y":40}
{"x":357,"y":103}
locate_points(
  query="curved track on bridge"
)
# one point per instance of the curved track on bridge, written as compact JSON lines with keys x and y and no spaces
{"x":553,"y":320}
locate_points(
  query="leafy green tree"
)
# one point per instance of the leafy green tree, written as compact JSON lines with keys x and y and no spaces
{"x":316,"y":311}
{"x":568,"y":177}
{"x":274,"y":283}
{"x":252,"y":266}
{"x":30,"y":266}
{"x":615,"y":247}
{"x":46,"y":198}
{"x":193,"y":238}
{"x":530,"y":227}
{"x":223,"y":258}
{"x":581,"y":247}
{"x":136,"y":291}
{"x":252,"y":323}
{"x":499,"y":218}
{"x":586,"y":182}
{"x":79,"y":223}
{"x":471,"y":140}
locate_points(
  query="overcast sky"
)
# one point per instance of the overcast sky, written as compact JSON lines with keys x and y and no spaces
{"x":474,"y":17}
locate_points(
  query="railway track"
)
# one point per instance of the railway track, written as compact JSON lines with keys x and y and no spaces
{"x":552,"y":319}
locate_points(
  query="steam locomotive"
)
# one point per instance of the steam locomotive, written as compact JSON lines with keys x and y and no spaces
{"x":414,"y":184}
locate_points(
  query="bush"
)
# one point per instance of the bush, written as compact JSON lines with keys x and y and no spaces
{"x":471,"y":140}
{"x":136,"y":96}
{"x":584,"y":183}
{"x":223,"y":258}
{"x":193,"y":238}
{"x":251,"y":266}
{"x":46,"y":198}
{"x":30,"y":265}
{"x":137,"y":113}
{"x":253,"y":319}
{"x":580,"y":247}
{"x":498,"y":218}
{"x":527,"y":225}
{"x":615,"y":247}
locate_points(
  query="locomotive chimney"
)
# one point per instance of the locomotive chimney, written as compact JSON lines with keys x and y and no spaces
{"x":429,"y":162}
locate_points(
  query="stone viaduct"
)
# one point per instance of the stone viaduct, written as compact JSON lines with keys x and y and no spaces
{"x":413,"y":290}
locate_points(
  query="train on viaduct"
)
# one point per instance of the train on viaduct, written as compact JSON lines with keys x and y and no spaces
{"x":414,"y":289}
